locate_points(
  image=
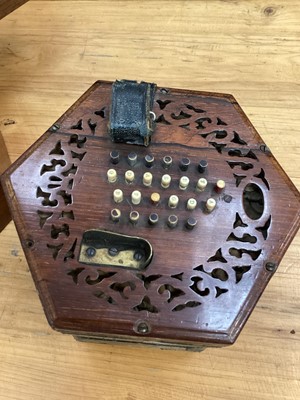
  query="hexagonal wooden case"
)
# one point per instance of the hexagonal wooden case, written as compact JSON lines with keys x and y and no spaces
{"x":114,"y":265}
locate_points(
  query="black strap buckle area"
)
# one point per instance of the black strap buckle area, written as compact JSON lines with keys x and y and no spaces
{"x":131,"y":117}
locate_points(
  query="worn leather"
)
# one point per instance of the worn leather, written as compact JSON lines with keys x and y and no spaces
{"x":130,"y":119}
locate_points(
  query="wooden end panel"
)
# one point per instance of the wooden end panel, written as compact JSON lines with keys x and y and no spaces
{"x":5,"y":216}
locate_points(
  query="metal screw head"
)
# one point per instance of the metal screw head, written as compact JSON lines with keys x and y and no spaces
{"x":29,"y":243}
{"x":264,"y":148}
{"x":143,"y":328}
{"x":90,"y":252}
{"x":54,"y":128}
{"x":138,"y":255}
{"x":227,"y":198}
{"x":270,"y":266}
{"x":113,"y":251}
{"x":164,"y":90}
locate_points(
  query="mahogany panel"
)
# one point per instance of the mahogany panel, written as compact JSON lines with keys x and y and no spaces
{"x":202,"y":283}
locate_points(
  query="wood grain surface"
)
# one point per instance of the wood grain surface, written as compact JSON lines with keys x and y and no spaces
{"x":7,"y":6}
{"x":51,"y":52}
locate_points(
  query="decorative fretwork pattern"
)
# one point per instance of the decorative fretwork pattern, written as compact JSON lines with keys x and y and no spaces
{"x":182,"y":290}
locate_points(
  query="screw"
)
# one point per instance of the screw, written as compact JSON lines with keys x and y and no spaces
{"x":113,"y":251}
{"x":138,"y":255}
{"x":54,"y":128}
{"x":270,"y":266}
{"x":227,"y":198}
{"x":29,"y":243}
{"x":264,"y":148}
{"x":90,"y":252}
{"x":143,"y":327}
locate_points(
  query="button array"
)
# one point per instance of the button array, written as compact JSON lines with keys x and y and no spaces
{"x":173,"y":201}
{"x":149,"y":161}
{"x":165,"y":181}
{"x":153,"y":218}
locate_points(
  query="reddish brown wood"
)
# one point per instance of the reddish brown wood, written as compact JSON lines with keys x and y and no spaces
{"x":5,"y":216}
{"x":7,"y":6}
{"x":201,"y":285}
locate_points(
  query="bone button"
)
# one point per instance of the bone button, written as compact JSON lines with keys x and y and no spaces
{"x":167,"y":162}
{"x":155,"y":198}
{"x":115,"y":214}
{"x":136,"y":197}
{"x":112,"y":175}
{"x":184,"y":182}
{"x":191,"y":223}
{"x":220,"y":186}
{"x":165,"y":181}
{"x":134,"y":217}
{"x":202,"y":166}
{"x":118,"y":195}
{"x":173,"y":201}
{"x":132,"y":159}
{"x":114,"y":157}
{"x":191,"y":204}
{"x":172,"y":221}
{"x":184,"y":164}
{"x":153,"y":219}
{"x":211,"y":204}
{"x":147,"y":179}
{"x":201,"y":184}
{"x":129,"y":176}
{"x":149,"y":161}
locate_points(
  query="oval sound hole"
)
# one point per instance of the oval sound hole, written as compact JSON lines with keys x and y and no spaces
{"x":253,"y":201}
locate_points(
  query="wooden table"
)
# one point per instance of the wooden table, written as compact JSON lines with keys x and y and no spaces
{"x":51,"y":52}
